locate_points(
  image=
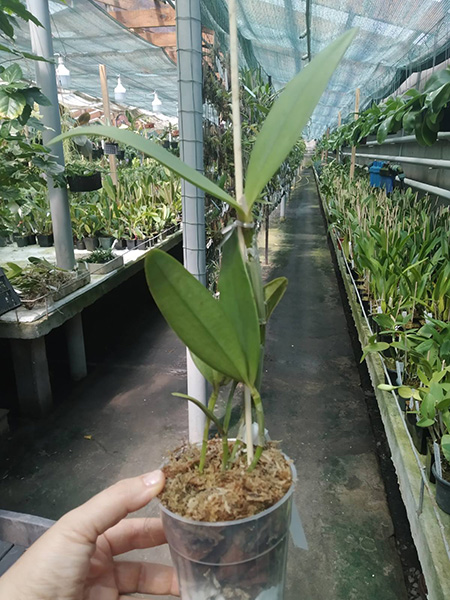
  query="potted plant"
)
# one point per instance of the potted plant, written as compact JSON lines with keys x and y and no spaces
{"x":101,"y":261}
{"x":42,"y":219}
{"x":83,"y":176}
{"x":220,"y":552}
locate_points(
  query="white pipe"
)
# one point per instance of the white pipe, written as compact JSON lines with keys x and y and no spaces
{"x":190,"y":116}
{"x":431,"y":189}
{"x":405,"y":139}
{"x":435,"y":163}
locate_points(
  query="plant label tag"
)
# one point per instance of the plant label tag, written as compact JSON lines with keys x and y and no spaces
{"x":399,"y":368}
{"x":437,"y":459}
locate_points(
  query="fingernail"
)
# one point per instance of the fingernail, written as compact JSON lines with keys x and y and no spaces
{"x":154,"y":478}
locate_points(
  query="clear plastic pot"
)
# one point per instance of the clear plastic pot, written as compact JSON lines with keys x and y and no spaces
{"x":242,"y":560}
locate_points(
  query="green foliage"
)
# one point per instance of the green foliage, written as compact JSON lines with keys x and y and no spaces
{"x":227,"y":334}
{"x":289,"y":116}
{"x":398,"y":247}
{"x":415,"y":112}
{"x":100,"y":256}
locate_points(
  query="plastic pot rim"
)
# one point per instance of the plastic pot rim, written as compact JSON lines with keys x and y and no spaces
{"x":444,"y":482}
{"x":259,"y":515}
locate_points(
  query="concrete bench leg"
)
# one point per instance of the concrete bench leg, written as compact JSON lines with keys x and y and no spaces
{"x":75,"y":346}
{"x":32,"y":376}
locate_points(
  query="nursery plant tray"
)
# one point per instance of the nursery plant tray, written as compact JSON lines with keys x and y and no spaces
{"x":104,"y":268}
{"x":70,"y":287}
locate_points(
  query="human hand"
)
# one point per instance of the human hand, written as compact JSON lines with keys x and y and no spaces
{"x":74,"y":559}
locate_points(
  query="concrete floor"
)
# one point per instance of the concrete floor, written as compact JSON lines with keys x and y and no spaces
{"x":314,"y":404}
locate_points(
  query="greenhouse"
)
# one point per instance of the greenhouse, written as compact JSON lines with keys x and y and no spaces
{"x":225,"y":299}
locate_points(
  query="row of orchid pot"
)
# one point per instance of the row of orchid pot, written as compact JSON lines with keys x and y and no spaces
{"x":145,"y":203}
{"x":397,"y":247}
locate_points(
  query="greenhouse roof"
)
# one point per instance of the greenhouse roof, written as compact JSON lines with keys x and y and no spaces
{"x":86,"y":36}
{"x":395,"y":36}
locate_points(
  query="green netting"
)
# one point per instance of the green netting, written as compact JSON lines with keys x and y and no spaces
{"x":86,"y":36}
{"x":395,"y":37}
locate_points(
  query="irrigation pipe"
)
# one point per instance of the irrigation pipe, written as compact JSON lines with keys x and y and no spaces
{"x":424,"y":482}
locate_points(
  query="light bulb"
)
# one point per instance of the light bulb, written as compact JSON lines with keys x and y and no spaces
{"x":156,"y":102}
{"x":119,"y":91}
{"x":62,"y":74}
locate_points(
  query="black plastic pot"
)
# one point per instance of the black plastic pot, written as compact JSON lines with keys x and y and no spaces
{"x":105,"y":241}
{"x":85,"y":183}
{"x":120,"y":245}
{"x":31,"y":239}
{"x":45,"y":240}
{"x":442,"y":492}
{"x":120,"y":154}
{"x":91,"y":243}
{"x":166,"y":144}
{"x":110,"y":148}
{"x":21,"y":240}
{"x":80,"y":245}
{"x":4,"y":240}
{"x":97,"y":153}
{"x":418,"y":434}
{"x":174,"y":145}
{"x":131,"y":244}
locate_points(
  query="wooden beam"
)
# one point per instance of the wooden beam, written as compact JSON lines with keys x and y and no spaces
{"x":159,"y":17}
{"x":162,"y":39}
{"x":172,"y":54}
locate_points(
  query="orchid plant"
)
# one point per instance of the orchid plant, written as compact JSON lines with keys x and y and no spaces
{"x":226,"y":335}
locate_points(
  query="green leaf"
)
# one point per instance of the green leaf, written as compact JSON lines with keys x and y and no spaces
{"x":273,"y":292}
{"x":386,"y":387}
{"x":138,"y":142}
{"x":195,"y":316}
{"x":445,"y":445}
{"x":407,"y":392}
{"x":34,"y":94}
{"x":12,"y":73}
{"x":384,"y":129}
{"x":376,"y":347}
{"x":289,"y":116}
{"x":5,"y":25}
{"x":11,"y":106}
{"x":204,"y":408}
{"x":238,"y":302}
{"x":424,"y":422}
{"x":211,"y":375}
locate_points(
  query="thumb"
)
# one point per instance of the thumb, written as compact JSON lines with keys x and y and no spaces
{"x":112,"y":505}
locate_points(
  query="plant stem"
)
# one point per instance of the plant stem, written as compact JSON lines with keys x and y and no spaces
{"x":248,"y":425}
{"x":211,"y":405}
{"x":260,"y":420}
{"x":236,"y":105}
{"x":226,"y":425}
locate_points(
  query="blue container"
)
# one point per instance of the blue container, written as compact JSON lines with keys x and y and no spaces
{"x":378,"y":180}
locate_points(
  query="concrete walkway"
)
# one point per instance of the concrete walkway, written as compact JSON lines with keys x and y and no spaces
{"x":121,"y":420}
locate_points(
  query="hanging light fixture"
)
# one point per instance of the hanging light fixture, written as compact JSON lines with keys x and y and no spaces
{"x":119,"y":91}
{"x":156,"y":104}
{"x":62,"y":74}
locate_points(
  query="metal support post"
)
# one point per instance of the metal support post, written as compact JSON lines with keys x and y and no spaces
{"x":32,"y":376}
{"x":283,"y":206}
{"x":42,"y":45}
{"x":75,"y":347}
{"x":190,"y":116}
{"x":107,"y":117}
